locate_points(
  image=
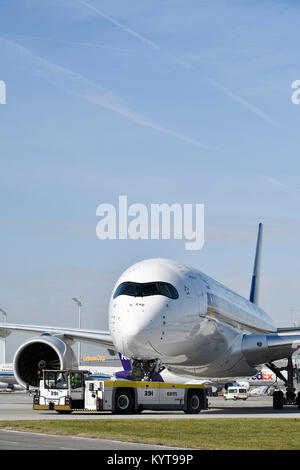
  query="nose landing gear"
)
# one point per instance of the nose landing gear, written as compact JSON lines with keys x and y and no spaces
{"x":146,"y":370}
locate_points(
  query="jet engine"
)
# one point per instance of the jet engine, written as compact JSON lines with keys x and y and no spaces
{"x":42,"y":352}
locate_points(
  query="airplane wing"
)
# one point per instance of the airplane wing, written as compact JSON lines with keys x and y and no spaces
{"x":102,"y":338}
{"x":257,"y":348}
{"x":295,"y":330}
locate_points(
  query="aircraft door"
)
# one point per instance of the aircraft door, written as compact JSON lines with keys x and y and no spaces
{"x":200,"y":294}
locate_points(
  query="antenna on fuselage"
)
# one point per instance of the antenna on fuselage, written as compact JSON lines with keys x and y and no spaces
{"x":254,"y":291}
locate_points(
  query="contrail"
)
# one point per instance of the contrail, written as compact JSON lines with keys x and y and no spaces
{"x":254,"y":109}
{"x":244,"y":103}
{"x":279,"y":184}
{"x":138,"y":36}
{"x":72,"y":43}
{"x":78,"y":85}
{"x":144,"y":121}
{"x":120,"y":25}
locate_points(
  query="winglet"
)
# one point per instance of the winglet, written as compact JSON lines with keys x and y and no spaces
{"x":254,"y":291}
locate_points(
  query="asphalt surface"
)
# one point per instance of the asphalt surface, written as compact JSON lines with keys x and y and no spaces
{"x":17,"y":440}
{"x":18,"y":406}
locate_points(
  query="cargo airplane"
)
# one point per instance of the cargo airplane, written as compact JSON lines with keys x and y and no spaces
{"x":167,"y":315}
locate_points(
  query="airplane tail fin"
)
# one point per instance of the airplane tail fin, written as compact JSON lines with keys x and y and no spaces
{"x":254,"y":291}
{"x":125,"y":362}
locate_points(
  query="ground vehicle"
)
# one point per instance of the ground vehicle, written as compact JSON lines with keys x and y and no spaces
{"x":71,"y":390}
{"x":236,"y":393}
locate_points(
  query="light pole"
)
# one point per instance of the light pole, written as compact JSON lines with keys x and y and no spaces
{"x":78,"y":302}
{"x":4,"y":339}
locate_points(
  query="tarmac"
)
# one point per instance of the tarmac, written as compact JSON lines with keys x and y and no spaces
{"x":18,"y":406}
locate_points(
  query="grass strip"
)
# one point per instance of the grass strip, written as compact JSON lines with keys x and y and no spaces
{"x":213,"y":433}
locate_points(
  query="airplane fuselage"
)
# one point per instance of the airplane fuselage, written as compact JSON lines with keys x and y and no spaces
{"x":161,"y":309}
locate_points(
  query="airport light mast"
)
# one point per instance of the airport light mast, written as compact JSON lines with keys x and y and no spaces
{"x":78,"y":302}
{"x":4,"y":339}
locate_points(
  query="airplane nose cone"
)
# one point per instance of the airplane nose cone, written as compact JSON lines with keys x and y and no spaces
{"x":133,"y":339}
{"x":132,"y":326}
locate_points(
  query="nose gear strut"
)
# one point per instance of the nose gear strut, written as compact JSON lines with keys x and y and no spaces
{"x":146,"y":370}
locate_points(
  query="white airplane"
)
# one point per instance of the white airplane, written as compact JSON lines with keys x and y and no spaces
{"x":7,"y":374}
{"x":7,"y":378}
{"x":164,"y":314}
{"x":265,"y":378}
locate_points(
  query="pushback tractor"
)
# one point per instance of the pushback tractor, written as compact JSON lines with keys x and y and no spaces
{"x":66,"y":391}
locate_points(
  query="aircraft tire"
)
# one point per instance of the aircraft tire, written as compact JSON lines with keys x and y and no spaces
{"x":278,"y":400}
{"x":298,"y":400}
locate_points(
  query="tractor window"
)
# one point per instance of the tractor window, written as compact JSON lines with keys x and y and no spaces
{"x":56,"y":379}
{"x":76,"y":380}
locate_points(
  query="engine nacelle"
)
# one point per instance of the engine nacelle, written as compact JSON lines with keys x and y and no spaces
{"x":41,"y":352}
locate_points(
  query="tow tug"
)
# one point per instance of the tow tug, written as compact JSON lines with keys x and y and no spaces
{"x":66,"y":391}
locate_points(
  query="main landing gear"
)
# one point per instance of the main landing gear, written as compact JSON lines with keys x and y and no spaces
{"x":291,"y":396}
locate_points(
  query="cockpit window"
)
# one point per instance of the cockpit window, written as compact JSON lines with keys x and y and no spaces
{"x":136,"y":289}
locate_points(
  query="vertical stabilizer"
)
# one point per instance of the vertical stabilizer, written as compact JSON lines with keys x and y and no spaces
{"x":254,"y":291}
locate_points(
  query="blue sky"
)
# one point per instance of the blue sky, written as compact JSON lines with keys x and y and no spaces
{"x":174,"y":101}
